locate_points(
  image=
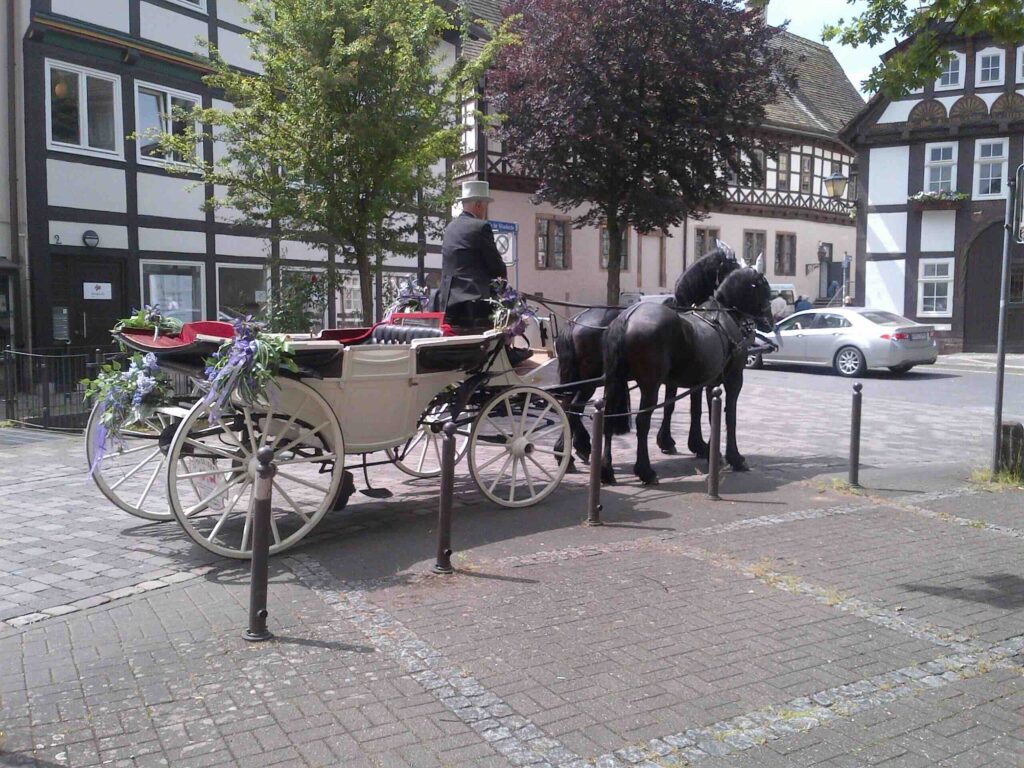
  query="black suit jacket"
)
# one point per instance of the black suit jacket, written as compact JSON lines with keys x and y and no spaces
{"x":469,"y":261}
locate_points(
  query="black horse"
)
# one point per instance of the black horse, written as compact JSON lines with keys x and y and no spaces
{"x":580,"y":347}
{"x":656,"y":345}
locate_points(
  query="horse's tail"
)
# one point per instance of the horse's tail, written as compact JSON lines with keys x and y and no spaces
{"x":565,"y":351}
{"x":616,"y":380}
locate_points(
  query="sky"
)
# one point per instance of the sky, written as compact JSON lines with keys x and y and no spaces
{"x":808,"y":17}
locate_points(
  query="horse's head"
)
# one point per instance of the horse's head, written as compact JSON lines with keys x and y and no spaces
{"x":698,"y":283}
{"x":747,"y":291}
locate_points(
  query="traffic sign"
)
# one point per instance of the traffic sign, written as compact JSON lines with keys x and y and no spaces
{"x":506,"y":236}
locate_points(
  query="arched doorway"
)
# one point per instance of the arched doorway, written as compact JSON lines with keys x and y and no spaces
{"x":981,"y":294}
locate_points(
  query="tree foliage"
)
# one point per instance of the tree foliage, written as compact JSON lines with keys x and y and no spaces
{"x":350,"y":117}
{"x":634,"y":109}
{"x":926,"y":29}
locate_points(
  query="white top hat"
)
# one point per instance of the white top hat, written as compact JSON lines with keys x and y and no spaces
{"x":476,"y":190}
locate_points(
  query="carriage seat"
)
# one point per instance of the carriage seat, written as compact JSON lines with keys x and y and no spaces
{"x":388,"y":333}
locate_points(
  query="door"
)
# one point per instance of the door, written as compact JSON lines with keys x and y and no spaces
{"x":822,"y":339}
{"x":88,"y":299}
{"x":793,"y":333}
{"x":981,"y":301}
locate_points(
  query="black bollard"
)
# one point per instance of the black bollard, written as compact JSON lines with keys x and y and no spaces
{"x":265,"y":472}
{"x":444,"y":517}
{"x":855,"y":437}
{"x":715,"y":443}
{"x":594,"y":506}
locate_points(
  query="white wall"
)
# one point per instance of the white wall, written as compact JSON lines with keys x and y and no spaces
{"x":888,"y":171}
{"x":235,"y":50}
{"x":938,"y":231}
{"x":171,"y":241}
{"x":234,"y":12}
{"x":898,"y":111}
{"x":73,"y":185}
{"x":70,"y":233}
{"x":170,"y":197}
{"x":237,"y":245}
{"x":887,"y":233}
{"x":884,"y":285}
{"x":102,"y":13}
{"x":172,"y":29}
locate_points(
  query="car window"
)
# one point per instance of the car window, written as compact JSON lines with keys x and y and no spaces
{"x":830,"y":320}
{"x":885,"y":318}
{"x":796,"y":323}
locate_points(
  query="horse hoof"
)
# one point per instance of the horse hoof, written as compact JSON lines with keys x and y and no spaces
{"x":607,"y":477}
{"x":584,"y":457}
{"x":570,"y":468}
{"x":669,"y":450}
{"x":702,"y":453}
{"x":652,"y":480}
{"x":739,"y":466}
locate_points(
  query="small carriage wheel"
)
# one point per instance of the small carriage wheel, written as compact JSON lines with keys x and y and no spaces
{"x":212,"y":468}
{"x":130,"y":472}
{"x":420,"y":455}
{"x":512,"y":454}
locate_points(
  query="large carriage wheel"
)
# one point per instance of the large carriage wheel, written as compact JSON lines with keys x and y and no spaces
{"x":213,"y":469}
{"x":420,"y":455}
{"x":131,"y":471}
{"x":512,"y":454}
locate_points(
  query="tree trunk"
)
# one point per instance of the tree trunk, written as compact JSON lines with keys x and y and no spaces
{"x":614,"y":228}
{"x":362,"y":252}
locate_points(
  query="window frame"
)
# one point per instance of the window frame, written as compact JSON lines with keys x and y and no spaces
{"x":707,"y":239}
{"x":806,"y":174}
{"x":602,"y":260}
{"x":952,"y":164}
{"x":170,"y":93}
{"x":979,"y":161}
{"x":199,"y":6}
{"x":743,"y":244}
{"x":549,"y":219}
{"x":775,"y":262}
{"x":83,"y":118}
{"x":1015,"y":271}
{"x":784,"y":159}
{"x":978,"y":56}
{"x":949,"y":261}
{"x":143,"y":263}
{"x":230,"y":265}
{"x":961,"y":59}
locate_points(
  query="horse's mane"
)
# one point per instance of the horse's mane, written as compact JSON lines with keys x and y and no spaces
{"x":735,"y":288}
{"x":697,"y":284}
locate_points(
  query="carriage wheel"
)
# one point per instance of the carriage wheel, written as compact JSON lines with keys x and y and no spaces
{"x":130,"y":471}
{"x":420,"y":455}
{"x":512,"y":454}
{"x":213,"y":469}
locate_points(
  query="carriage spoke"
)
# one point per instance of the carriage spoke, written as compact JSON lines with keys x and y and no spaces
{"x":226,"y":432}
{"x":491,"y":460}
{"x":302,"y":481}
{"x":500,"y":430}
{"x":205,"y":473}
{"x":135,"y":469}
{"x":541,"y":467}
{"x":552,"y":428}
{"x":248,"y":522}
{"x":228,"y":510}
{"x":512,"y":487}
{"x":217,"y":492}
{"x":538,"y":420}
{"x":526,"y":475}
{"x":501,"y":473}
{"x":250,"y":428}
{"x":291,"y":503}
{"x":549,"y":451}
{"x":136,"y":449}
{"x":302,"y":437}
{"x":149,"y":485}
{"x":525,"y":413}
{"x":291,"y":420}
{"x":423,"y":457}
{"x":273,"y":528}
{"x":212,"y":448}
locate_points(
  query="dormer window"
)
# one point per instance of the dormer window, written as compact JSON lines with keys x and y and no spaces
{"x":952,"y":73}
{"x":989,"y":69}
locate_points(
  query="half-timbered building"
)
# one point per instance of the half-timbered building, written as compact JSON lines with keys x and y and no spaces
{"x":934,"y":170}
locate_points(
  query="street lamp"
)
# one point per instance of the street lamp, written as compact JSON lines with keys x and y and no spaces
{"x":835,"y":185}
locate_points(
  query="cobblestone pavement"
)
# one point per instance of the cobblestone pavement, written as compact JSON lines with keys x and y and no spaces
{"x":795,"y":623}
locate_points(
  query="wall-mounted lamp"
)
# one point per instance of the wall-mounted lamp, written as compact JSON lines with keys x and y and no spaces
{"x":835,"y":185}
{"x":90,"y":238}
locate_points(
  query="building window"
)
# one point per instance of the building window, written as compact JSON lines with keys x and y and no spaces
{"x":178,"y":287}
{"x":161,"y":111}
{"x":951,"y":74}
{"x":940,"y":167}
{"x":935,"y":287}
{"x":704,"y":240}
{"x":1020,"y":64}
{"x":753,"y":245}
{"x":554,"y":243}
{"x":782,"y":177}
{"x":989,"y":67}
{"x":785,"y":254}
{"x":806,"y":173}
{"x":606,"y":242}
{"x":241,"y":290}
{"x":1016,"y":295}
{"x":990,"y":168}
{"x":83,"y":110}
{"x":197,"y":5}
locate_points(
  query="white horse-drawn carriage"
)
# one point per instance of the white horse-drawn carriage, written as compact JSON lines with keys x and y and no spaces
{"x":360,"y":397}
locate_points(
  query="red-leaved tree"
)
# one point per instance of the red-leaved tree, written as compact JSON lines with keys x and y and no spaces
{"x":635,"y":109}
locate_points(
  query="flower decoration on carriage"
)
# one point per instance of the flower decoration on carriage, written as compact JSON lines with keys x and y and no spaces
{"x":245,"y":366}
{"x":150,"y":318}
{"x":511,"y":312}
{"x":126,"y":396}
{"x":412,"y":297}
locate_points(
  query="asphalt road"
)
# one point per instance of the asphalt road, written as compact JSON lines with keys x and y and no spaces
{"x":927,"y":385}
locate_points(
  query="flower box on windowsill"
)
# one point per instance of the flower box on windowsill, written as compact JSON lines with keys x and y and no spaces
{"x":936,"y":203}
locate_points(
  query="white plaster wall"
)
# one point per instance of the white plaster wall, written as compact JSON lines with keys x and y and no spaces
{"x":102,"y":13}
{"x":887,"y":233}
{"x":888,"y":169}
{"x":990,"y":98}
{"x":897,"y":111}
{"x":884,"y":285}
{"x":938,"y":231}
{"x":73,"y":185}
{"x":299,"y":251}
{"x":170,"y":197}
{"x":237,"y":245}
{"x":170,"y":28}
{"x":235,"y":50}
{"x":70,"y":233}
{"x":171,"y":241}
{"x":233,"y":12}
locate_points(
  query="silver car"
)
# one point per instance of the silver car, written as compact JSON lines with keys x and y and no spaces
{"x":851,"y":340}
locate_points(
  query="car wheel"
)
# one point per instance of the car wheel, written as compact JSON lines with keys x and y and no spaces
{"x":901,"y":369}
{"x":754,"y":360}
{"x":849,"y":362}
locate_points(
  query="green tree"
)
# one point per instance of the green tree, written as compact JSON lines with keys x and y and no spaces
{"x":924,"y":31}
{"x":350,"y":118}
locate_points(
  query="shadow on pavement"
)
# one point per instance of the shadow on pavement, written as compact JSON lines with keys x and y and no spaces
{"x":1005,"y":591}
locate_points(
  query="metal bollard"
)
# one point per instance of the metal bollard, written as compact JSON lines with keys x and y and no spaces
{"x":44,"y":374}
{"x":855,"y":437}
{"x":443,"y":563}
{"x":715,"y":443}
{"x":265,"y":472}
{"x":10,"y":372}
{"x":594,"y":505}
